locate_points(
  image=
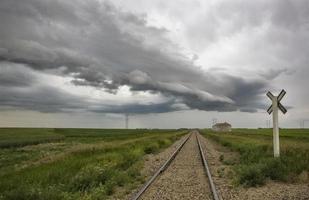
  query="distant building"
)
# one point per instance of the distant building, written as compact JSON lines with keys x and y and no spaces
{"x":222,"y":127}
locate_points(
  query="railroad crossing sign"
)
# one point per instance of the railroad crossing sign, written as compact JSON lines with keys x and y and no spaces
{"x":276,"y":105}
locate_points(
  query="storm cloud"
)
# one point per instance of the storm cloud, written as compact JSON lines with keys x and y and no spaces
{"x":95,"y":44}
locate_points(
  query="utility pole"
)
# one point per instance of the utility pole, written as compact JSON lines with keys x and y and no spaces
{"x":276,"y":105}
{"x":302,"y":123}
{"x":127,"y":120}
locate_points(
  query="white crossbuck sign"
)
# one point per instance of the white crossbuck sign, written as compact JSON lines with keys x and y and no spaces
{"x":276,"y":105}
{"x":280,"y":106}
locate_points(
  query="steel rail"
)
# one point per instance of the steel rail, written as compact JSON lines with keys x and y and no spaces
{"x":212,"y":185}
{"x":162,"y":169}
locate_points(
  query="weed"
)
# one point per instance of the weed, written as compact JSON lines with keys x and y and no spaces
{"x":256,"y":157}
{"x":151,"y":148}
{"x":221,"y":158}
{"x":220,"y":172}
{"x":251,"y":175}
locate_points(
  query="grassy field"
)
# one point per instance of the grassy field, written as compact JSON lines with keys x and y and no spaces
{"x":75,"y":163}
{"x":256,"y":163}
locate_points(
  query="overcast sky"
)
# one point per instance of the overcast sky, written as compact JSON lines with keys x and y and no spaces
{"x":169,"y":64}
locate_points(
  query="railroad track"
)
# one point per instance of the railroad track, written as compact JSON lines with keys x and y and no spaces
{"x":183,"y":176}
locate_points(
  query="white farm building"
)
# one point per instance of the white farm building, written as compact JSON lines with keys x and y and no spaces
{"x":222,"y":127}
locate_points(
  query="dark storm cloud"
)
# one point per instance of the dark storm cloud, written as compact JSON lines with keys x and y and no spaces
{"x":102,"y":46}
{"x":52,"y":100}
{"x":139,"y":108}
{"x":23,"y":88}
{"x":43,"y":99}
{"x":17,"y":76}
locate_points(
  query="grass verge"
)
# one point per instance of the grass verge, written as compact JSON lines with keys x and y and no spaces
{"x":256,"y":163}
{"x":79,"y":167}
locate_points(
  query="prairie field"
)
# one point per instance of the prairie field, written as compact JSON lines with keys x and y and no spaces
{"x":75,"y":163}
{"x":255,"y":164}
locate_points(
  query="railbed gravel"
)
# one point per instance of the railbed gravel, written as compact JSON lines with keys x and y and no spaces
{"x":152,"y":162}
{"x":223,"y":180}
{"x":184,"y":179}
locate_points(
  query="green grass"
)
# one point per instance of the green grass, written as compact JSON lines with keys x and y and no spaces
{"x":256,"y":163}
{"x":82,"y":164}
{"x":18,"y":137}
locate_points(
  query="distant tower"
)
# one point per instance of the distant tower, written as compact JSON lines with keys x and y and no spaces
{"x":302,"y":123}
{"x":127,"y":120}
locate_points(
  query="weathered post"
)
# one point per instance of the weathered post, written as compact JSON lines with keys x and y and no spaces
{"x":274,"y":108}
{"x":275,"y":128}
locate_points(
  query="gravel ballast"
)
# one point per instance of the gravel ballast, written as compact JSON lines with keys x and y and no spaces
{"x":184,"y":179}
{"x":152,"y":162}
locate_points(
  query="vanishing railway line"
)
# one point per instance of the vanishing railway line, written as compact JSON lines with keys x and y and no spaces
{"x":183,"y":176}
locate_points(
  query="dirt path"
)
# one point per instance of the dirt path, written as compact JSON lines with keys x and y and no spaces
{"x":184,"y":179}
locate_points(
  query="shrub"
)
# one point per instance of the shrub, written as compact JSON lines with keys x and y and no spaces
{"x":251,"y":175}
{"x":151,"y":148}
{"x":275,"y":169}
{"x":163,"y":142}
{"x":128,"y":158}
{"x":89,"y":177}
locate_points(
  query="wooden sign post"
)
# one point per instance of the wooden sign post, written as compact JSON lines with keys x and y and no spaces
{"x":276,"y":105}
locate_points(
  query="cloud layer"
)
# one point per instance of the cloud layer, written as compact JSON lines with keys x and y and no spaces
{"x":98,"y":45}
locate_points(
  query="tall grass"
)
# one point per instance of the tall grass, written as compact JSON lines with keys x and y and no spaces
{"x":91,"y":171}
{"x":257,"y":164}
